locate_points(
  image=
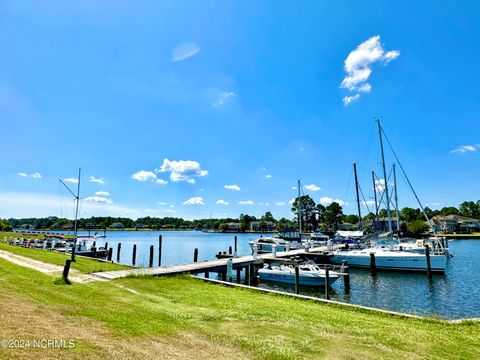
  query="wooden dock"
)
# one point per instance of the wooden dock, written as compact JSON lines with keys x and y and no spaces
{"x":219,"y":265}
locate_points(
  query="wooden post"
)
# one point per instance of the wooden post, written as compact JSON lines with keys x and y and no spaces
{"x":134,"y":254}
{"x":373,"y":267}
{"x":239,"y":275}
{"x":235,"y":248}
{"x":346,"y":276}
{"x":195,"y":255}
{"x":327,"y":279}
{"x":229,"y":270}
{"x":250,"y":274}
{"x":119,"y":248}
{"x":160,"y":240}
{"x":66,"y":269}
{"x":297,"y":279}
{"x":207,"y":275}
{"x":230,"y":250}
{"x":427,"y":256}
{"x":106,"y":245}
{"x":150,"y":263}
{"x":94,"y":244}
{"x":110,"y":253}
{"x":94,"y":249}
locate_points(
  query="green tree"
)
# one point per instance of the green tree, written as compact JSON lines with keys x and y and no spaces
{"x":333,"y":215}
{"x":304,"y":208}
{"x":470,"y":209}
{"x":268,"y":217}
{"x":351,"y":219}
{"x":410,"y":214}
{"x":417,"y":227}
{"x":449,"y":211}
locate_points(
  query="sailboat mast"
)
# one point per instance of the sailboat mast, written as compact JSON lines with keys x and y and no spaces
{"x":299,"y":209}
{"x":75,"y":226}
{"x":375,"y":194}
{"x":358,"y":197}
{"x":385,"y":177}
{"x":397,"y":218}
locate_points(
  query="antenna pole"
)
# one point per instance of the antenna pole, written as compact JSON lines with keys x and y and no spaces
{"x":358,"y":197}
{"x":385,"y":177}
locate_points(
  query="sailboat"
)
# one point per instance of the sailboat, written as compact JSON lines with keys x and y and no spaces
{"x":390,"y":257}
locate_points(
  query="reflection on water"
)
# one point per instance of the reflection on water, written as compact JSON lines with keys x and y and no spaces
{"x":454,"y":295}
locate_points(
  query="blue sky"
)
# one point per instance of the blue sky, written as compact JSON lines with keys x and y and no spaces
{"x":169,"y":107}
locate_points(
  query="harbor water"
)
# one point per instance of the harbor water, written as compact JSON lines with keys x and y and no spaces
{"x":453,"y":295}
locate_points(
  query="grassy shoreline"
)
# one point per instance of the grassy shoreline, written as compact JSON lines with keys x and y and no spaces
{"x":182,"y":317}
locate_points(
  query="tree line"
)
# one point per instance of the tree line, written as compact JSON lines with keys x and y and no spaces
{"x":306,"y":214}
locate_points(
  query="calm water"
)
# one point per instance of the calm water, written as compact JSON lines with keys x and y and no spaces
{"x":453,"y":295}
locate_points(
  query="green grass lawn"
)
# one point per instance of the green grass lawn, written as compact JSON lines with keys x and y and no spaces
{"x":83,"y":265}
{"x":155,"y":316}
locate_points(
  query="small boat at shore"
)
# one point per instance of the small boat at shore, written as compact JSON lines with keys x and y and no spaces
{"x":282,"y":241}
{"x":310,"y":274}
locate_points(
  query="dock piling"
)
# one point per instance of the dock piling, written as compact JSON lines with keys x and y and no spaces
{"x":134,"y":254}
{"x":66,"y":270}
{"x":229,"y":269}
{"x":160,"y":240}
{"x":373,"y":266}
{"x":235,"y":253}
{"x":119,"y":248}
{"x":239,"y":275}
{"x":207,"y":275}
{"x":150,"y":264}
{"x":230,"y":250}
{"x":110,"y":254}
{"x":297,"y":279}
{"x":427,"y":257}
{"x":195,"y":255}
{"x":346,"y":276}
{"x":327,"y":280}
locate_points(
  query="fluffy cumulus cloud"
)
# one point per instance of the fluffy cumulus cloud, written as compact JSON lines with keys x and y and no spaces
{"x":184,"y":51}
{"x":100,"y":181}
{"x":245,"y":202}
{"x":71,"y":180}
{"x":280,"y":203}
{"x":466,"y":148}
{"x":182,"y":170}
{"x":144,"y":175}
{"x":313,"y":187}
{"x":328,"y":200}
{"x":268,"y":176}
{"x":102,"y":193}
{"x":33,"y":176}
{"x":194,"y":201}
{"x":291,"y":201}
{"x":232,"y":187}
{"x":358,"y":66}
{"x":221,"y":202}
{"x":99,"y":199}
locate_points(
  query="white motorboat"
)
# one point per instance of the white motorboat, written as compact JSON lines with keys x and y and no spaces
{"x":387,"y":259}
{"x":283,"y":242}
{"x":310,"y":274}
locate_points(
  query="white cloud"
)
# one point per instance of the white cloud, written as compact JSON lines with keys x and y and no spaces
{"x":358,"y":66}
{"x":172,"y":206}
{"x":150,"y":210}
{"x":161,"y":203}
{"x":184,"y":51}
{"x":328,"y":200}
{"x":168,"y":211}
{"x":349,"y":99}
{"x":99,"y":199}
{"x":246,"y":202}
{"x":71,"y":180}
{"x":291,"y":201}
{"x":280,"y":203}
{"x":294,"y":188}
{"x":222,"y":97}
{"x":464,"y":149}
{"x":221,"y":202}
{"x":144,"y":175}
{"x":369,"y":202}
{"x":182,"y":170}
{"x":232,"y":187}
{"x":433,"y":204}
{"x":98,"y":181}
{"x":380,"y":185}
{"x":268,"y":176}
{"x":34,"y":175}
{"x":102,"y":193}
{"x":313,"y":187}
{"x":194,"y":201}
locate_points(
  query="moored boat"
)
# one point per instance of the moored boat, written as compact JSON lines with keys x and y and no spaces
{"x":310,"y":274}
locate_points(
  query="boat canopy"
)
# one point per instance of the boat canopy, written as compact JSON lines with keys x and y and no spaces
{"x":350,"y":234}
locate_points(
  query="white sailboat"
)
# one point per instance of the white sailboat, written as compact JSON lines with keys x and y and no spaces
{"x":310,"y":274}
{"x":393,"y":257}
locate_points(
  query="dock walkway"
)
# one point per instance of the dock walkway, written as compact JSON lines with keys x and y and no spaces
{"x":212,"y":265}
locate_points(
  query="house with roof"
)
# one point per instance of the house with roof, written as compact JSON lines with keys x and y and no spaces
{"x":262,"y":226}
{"x":455,"y":224}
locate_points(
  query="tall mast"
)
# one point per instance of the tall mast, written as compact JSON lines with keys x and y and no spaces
{"x":397,"y":218}
{"x":358,"y":197}
{"x":77,"y":198}
{"x":375,"y":194}
{"x":299,"y":210}
{"x":385,"y":177}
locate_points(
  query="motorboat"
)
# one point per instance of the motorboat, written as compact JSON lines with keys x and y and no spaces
{"x":310,"y":274}
{"x":282,"y":241}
